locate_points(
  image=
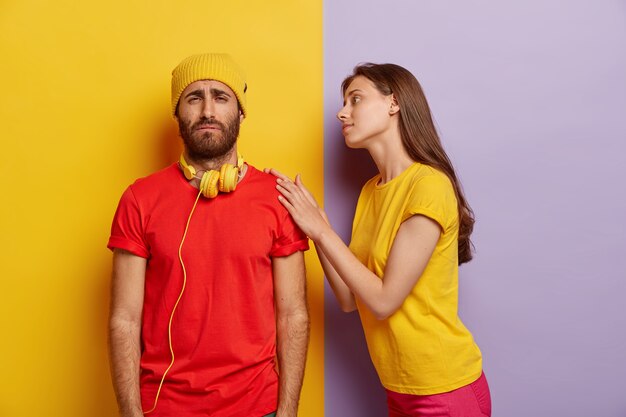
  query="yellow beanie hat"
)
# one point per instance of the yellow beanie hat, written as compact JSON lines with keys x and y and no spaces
{"x":218,"y":67}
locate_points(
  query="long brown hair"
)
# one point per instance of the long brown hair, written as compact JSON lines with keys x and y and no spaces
{"x":418,"y":134}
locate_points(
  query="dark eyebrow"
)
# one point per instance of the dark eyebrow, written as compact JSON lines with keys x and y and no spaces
{"x":198,"y":93}
{"x":214,"y":93}
{"x":217,"y":92}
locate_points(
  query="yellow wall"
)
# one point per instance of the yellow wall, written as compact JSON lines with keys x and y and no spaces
{"x":84,"y":108}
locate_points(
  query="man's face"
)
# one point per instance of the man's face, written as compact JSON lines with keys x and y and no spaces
{"x":208,"y":119}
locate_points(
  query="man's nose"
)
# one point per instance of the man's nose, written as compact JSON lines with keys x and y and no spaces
{"x":208,"y":109}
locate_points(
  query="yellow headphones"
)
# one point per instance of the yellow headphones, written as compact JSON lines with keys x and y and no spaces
{"x":212,"y":181}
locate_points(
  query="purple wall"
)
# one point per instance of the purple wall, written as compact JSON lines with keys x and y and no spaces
{"x":530,"y":99}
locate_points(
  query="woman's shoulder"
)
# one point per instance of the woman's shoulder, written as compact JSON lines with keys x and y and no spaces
{"x":426,"y":175}
{"x":372,"y":181}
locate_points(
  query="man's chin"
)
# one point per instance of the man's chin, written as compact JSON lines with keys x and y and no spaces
{"x":203,"y":135}
{"x":207,"y":154}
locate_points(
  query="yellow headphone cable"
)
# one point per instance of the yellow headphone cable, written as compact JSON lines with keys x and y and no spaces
{"x":169,"y":327}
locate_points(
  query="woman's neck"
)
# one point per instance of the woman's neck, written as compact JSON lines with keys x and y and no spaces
{"x":390,"y":157}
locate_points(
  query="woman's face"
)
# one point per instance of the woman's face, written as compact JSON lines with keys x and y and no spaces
{"x":366,"y":113}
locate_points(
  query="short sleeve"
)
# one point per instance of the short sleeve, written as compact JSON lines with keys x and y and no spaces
{"x":432,"y":196}
{"x":127,"y":228}
{"x":289,"y":239}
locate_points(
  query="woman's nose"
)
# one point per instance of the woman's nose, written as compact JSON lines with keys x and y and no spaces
{"x":342,"y":115}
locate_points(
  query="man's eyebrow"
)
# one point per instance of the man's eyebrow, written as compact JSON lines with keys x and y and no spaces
{"x":217,"y":92}
{"x":198,"y":93}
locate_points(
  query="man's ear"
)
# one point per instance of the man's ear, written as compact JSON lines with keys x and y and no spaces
{"x":241,"y":117}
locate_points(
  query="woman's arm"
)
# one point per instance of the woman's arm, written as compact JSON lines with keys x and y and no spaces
{"x":412,"y":248}
{"x":340,"y":289}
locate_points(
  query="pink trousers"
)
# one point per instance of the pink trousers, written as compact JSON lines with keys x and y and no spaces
{"x":472,"y":400}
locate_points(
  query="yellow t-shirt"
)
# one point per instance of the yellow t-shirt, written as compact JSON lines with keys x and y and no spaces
{"x":423,"y":348}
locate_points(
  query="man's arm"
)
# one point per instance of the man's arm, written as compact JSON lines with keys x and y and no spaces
{"x":127,"y":292}
{"x":292,"y":329}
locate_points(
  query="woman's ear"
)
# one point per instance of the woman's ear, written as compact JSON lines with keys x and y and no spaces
{"x":393,"y":106}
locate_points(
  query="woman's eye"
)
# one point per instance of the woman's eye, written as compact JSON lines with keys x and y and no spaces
{"x":356,"y":99}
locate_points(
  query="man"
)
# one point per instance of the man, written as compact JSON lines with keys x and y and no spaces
{"x":208,"y":287}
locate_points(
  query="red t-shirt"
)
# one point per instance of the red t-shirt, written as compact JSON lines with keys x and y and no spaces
{"x":224,"y":328}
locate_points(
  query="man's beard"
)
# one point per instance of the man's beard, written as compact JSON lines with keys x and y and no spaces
{"x":208,"y":145}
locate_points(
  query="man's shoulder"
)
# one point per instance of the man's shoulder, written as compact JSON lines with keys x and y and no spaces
{"x":260,"y":178}
{"x":261,"y":187}
{"x":154,"y":184}
{"x":158,"y":178}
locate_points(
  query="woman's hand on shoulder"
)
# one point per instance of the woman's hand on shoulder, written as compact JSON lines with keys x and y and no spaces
{"x":301,"y":204}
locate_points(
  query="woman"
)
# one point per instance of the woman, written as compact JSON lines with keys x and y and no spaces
{"x":411,"y":231}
